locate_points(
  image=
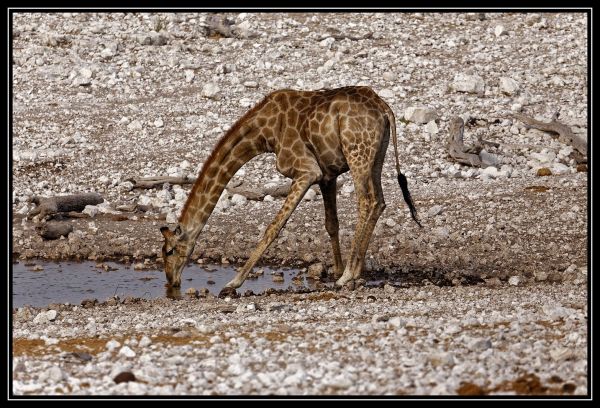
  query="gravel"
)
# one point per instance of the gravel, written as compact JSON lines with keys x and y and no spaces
{"x":423,"y":341}
{"x":99,"y":99}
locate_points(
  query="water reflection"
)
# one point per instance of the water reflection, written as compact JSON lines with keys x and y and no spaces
{"x":75,"y":281}
{"x":172,"y":292}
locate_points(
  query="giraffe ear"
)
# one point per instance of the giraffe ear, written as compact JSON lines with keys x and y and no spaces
{"x":178,"y":230}
{"x":167,"y":233}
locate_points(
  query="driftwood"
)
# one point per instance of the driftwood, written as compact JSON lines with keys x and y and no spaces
{"x":54,"y":230}
{"x":258,"y":193}
{"x":153,"y":182}
{"x":456,"y":148}
{"x":563,"y":131}
{"x":63,"y":204}
{"x":340,"y":37}
{"x":219,"y":25}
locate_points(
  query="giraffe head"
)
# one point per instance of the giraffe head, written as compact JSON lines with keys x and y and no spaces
{"x":175,"y":252}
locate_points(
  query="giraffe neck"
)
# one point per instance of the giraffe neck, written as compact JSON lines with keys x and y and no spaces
{"x":236,"y":148}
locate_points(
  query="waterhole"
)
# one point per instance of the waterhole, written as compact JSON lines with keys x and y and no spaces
{"x":38,"y":283}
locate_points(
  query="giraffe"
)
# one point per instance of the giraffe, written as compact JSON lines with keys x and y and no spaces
{"x":316,"y":136}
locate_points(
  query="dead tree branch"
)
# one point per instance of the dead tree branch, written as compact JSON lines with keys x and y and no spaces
{"x":153,"y":182}
{"x":220,"y":25}
{"x":340,"y":37}
{"x":63,"y":204}
{"x":456,"y":148}
{"x":563,"y":131}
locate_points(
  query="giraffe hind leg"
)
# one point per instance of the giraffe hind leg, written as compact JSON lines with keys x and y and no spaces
{"x":371,"y":204}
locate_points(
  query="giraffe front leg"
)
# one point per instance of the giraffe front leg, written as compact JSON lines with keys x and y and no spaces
{"x":332,"y":225}
{"x":297,"y":191}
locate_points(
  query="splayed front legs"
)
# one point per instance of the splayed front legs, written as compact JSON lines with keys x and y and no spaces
{"x":299,"y":188}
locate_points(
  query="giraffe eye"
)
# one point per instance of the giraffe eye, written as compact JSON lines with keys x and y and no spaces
{"x":170,"y":252}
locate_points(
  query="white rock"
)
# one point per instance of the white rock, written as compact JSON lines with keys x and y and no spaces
{"x":238,"y":199}
{"x":544,"y":156}
{"x":159,"y":123}
{"x":531,"y":19}
{"x":107,"y":53}
{"x":135,"y":125}
{"x":506,"y":170}
{"x":144,"y":200}
{"x":419,"y":114}
{"x":559,"y":168}
{"x":268,"y":198}
{"x":145,"y":341}
{"x":386,"y":93}
{"x":127,"y":352}
{"x":432,"y":128}
{"x":341,"y":381}
{"x":481,"y":344}
{"x":347,"y":188}
{"x":310,"y":195}
{"x":85,"y":73}
{"x":509,"y":86}
{"x":54,"y":374}
{"x":514,"y":280}
{"x":561,"y":354}
{"x":566,"y":151}
{"x":223,"y":202}
{"x":90,"y":210}
{"x":189,"y":76}
{"x":45,"y":317}
{"x":112,"y":344}
{"x":390,"y":222}
{"x":243,"y":29}
{"x":500,"y":30}
{"x":555,"y":312}
{"x":251,"y":84}
{"x":171,"y":218}
{"x":396,"y":321}
{"x":441,"y":232}
{"x":435,"y":210}
{"x":491,"y":171}
{"x":245,"y":102}
{"x":327,"y":42}
{"x":389,"y":76}
{"x":468,"y":83}
{"x":210,"y":90}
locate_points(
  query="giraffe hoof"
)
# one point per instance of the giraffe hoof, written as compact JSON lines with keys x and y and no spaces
{"x":228,"y":291}
{"x":343,"y":281}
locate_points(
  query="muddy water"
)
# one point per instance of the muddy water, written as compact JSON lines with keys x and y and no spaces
{"x":75,"y":281}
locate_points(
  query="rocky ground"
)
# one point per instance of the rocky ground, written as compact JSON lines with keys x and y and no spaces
{"x":425,"y":341}
{"x":101,"y":98}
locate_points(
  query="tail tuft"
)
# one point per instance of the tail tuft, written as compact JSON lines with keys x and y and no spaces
{"x":404,"y":186}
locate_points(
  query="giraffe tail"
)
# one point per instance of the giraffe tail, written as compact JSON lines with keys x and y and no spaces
{"x":408,"y":198}
{"x":401,"y":177}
